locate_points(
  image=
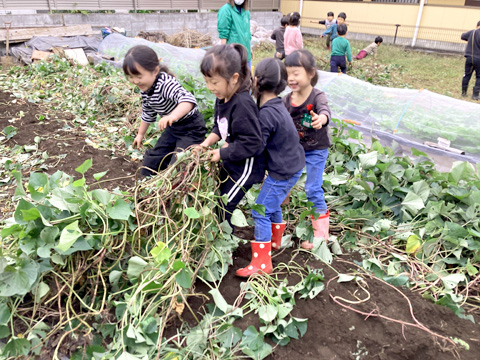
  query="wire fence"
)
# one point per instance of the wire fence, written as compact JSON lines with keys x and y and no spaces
{"x":440,"y":39}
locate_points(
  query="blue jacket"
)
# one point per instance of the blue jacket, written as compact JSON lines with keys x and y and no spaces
{"x":332,"y":30}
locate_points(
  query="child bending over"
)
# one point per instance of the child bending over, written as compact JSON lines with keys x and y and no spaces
{"x":162,"y":95}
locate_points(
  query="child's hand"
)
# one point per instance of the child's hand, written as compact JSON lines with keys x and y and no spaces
{"x":138,"y":141}
{"x":215,"y":155}
{"x":322,"y":36}
{"x":318,"y":120}
{"x":165,"y":121}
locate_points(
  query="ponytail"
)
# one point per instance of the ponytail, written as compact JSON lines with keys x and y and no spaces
{"x":245,"y":78}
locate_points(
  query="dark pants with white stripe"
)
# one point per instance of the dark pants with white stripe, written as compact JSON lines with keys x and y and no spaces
{"x":174,"y":139}
{"x":236,"y":183}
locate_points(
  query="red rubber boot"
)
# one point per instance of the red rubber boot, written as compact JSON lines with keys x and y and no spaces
{"x":261,"y":260}
{"x":277,"y":233}
{"x":320,"y":229}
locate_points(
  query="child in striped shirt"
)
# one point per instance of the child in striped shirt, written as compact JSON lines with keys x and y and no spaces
{"x":162,"y":95}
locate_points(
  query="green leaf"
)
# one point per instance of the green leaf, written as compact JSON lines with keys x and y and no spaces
{"x":461,"y":170}
{"x":99,"y":175}
{"x":30,"y":214}
{"x":451,"y":281}
{"x":127,"y":356}
{"x":413,"y":243}
{"x":18,"y":215}
{"x":120,"y":210}
{"x":413,"y":203}
{"x":184,"y":279}
{"x":4,"y":331}
{"x":40,"y":291}
{"x":238,"y":218}
{"x":16,"y":347}
{"x":345,"y":278}
{"x":19,"y":191}
{"x":219,"y":300}
{"x":79,"y":182}
{"x":253,"y":344}
{"x":161,"y":252}
{"x":267,"y":313}
{"x":69,"y":235}
{"x":368,"y":160}
{"x":177,"y":265}
{"x":102,"y":196}
{"x":135,"y":267}
{"x":4,"y":314}
{"x":38,"y":185}
{"x":82,"y":169}
{"x":18,"y":279}
{"x":472,"y":270}
{"x":321,"y":250}
{"x":422,"y":189}
{"x":259,"y":209}
{"x":10,"y":131}
{"x":229,"y":335}
{"x":191,"y":213}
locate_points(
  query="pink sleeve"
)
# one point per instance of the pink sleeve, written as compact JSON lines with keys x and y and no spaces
{"x":299,"y":39}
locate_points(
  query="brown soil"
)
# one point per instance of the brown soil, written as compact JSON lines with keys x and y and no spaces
{"x":63,"y":142}
{"x":335,"y":332}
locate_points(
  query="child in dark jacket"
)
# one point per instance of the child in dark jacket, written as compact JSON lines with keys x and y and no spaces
{"x":278,"y":36}
{"x":285,"y":163}
{"x":308,"y":107}
{"x":227,"y":75}
{"x":181,"y":122}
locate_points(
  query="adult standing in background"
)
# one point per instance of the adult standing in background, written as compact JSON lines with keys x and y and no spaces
{"x":472,"y":61}
{"x":233,"y":25}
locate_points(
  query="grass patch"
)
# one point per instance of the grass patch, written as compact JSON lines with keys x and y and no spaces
{"x":395,"y":66}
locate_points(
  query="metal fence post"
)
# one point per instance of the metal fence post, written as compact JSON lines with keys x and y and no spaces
{"x":396,"y":31}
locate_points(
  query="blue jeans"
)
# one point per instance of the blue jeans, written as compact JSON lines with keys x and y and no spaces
{"x":271,"y":196}
{"x":315,"y":160}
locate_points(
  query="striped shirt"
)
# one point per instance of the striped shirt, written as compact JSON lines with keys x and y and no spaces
{"x":164,"y":96}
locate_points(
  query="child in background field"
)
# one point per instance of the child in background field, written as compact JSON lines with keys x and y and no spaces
{"x":181,"y":122}
{"x":332,"y":30}
{"x":309,"y":110}
{"x":285,"y":163}
{"x":227,"y":75}
{"x":293,"y":36}
{"x":340,"y":48}
{"x":278,"y":35}
{"x":370,"y":49}
{"x":328,"y":22}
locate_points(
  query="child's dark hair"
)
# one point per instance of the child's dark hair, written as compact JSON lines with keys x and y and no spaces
{"x":225,"y":61}
{"x":378,"y":40}
{"x":144,"y":56}
{"x":271,"y":76}
{"x":294,"y":19}
{"x":342,"y":29}
{"x":330,"y":13}
{"x":305,"y":59}
{"x":285,"y":20}
{"x":342,"y":15}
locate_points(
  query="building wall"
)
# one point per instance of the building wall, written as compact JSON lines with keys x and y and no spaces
{"x":458,"y":17}
{"x":134,"y":23}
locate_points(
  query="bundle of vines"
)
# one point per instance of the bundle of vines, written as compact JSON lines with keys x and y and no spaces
{"x":153,"y":36}
{"x":189,"y":38}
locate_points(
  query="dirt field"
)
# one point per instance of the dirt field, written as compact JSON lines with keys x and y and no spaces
{"x":416,"y":330}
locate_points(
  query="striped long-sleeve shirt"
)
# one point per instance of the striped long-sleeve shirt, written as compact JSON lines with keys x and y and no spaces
{"x":164,"y":96}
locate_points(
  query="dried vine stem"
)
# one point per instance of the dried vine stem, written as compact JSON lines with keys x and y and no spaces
{"x":417,"y":324}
